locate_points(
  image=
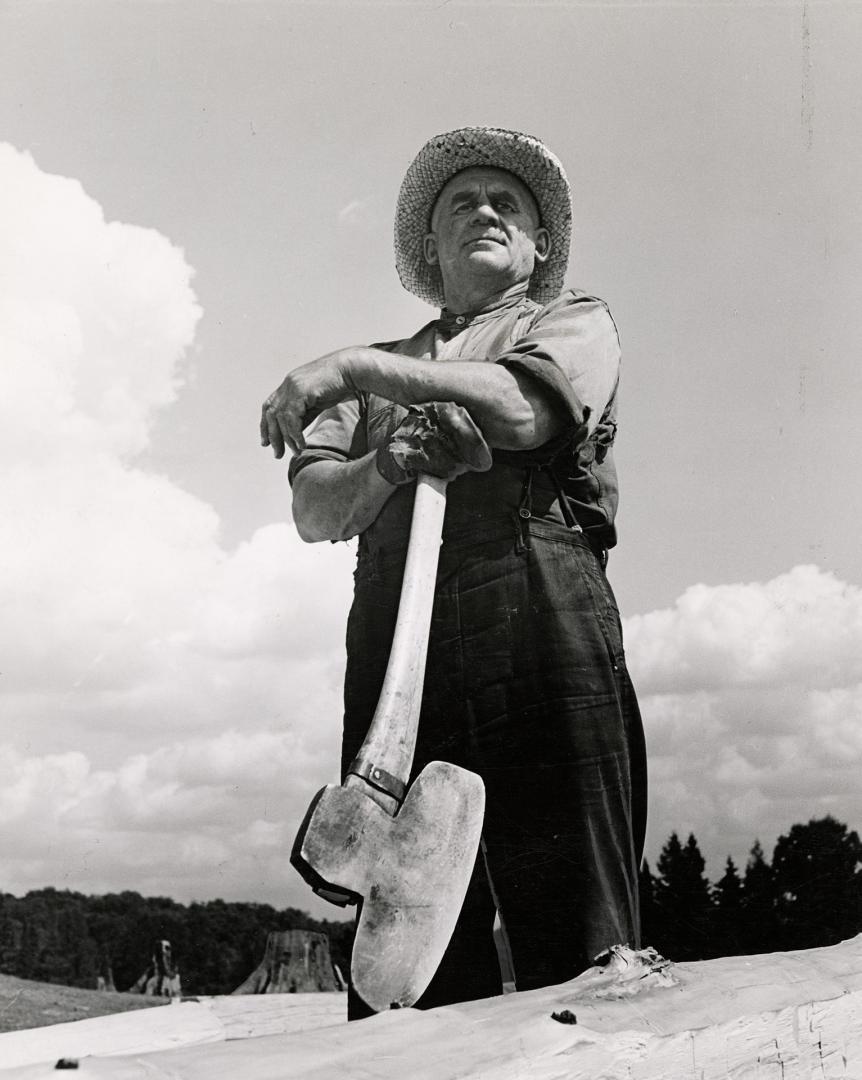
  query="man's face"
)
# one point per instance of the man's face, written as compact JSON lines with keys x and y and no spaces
{"x":485,"y":224}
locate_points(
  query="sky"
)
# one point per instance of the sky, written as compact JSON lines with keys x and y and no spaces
{"x":195,"y":197}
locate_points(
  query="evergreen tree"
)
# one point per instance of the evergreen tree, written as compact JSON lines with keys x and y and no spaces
{"x":759,"y":926}
{"x":650,"y":916}
{"x":727,"y":920}
{"x":815,"y":879}
{"x":683,"y":901}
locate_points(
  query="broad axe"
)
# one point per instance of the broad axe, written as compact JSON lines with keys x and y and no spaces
{"x":405,"y":856}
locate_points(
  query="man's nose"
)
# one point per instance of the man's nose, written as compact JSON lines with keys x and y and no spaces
{"x":484,"y":212}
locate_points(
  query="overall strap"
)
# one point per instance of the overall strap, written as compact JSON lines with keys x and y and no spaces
{"x":566,"y":510}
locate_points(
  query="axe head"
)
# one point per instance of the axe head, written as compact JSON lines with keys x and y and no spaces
{"x":409,"y":873}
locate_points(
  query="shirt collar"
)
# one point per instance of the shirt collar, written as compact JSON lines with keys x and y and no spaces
{"x":452,"y":322}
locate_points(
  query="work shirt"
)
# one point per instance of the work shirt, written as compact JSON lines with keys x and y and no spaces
{"x":571,"y":347}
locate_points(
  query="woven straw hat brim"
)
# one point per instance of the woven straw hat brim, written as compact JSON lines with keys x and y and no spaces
{"x":444,"y":156}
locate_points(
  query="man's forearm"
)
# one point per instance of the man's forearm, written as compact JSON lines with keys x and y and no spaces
{"x":512,"y":411}
{"x":335,"y":500}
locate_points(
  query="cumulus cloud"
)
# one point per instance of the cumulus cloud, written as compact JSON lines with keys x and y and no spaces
{"x":803,"y":627}
{"x":205,"y":817}
{"x":95,"y":324}
{"x":96,"y":319}
{"x":170,"y":706}
{"x":752,"y":698}
{"x":358,"y":214}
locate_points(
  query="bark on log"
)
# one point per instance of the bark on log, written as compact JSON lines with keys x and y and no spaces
{"x":295,"y":961}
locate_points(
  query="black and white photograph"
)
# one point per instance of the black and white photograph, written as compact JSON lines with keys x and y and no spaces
{"x":430,"y":573}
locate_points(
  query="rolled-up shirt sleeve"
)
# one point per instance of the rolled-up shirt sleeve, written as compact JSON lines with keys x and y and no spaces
{"x":337,"y":435}
{"x":573,"y":350}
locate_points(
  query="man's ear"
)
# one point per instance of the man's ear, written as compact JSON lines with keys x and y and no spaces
{"x":542,"y":241}
{"x":429,"y":249}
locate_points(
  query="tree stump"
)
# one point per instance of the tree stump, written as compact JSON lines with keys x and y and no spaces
{"x":161,"y":979}
{"x":295,"y":961}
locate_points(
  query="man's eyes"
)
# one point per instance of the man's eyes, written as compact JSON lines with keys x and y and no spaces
{"x":499,"y":204}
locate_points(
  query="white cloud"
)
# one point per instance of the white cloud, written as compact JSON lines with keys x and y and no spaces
{"x":358,"y":214}
{"x":752,"y":699}
{"x":96,"y":318}
{"x":206,"y":817}
{"x":171,"y":707}
{"x":804,"y":626}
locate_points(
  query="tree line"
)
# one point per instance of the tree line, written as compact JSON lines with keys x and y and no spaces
{"x":65,"y":937}
{"x":810,"y":894}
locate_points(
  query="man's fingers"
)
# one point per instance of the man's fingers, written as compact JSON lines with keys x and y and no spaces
{"x":292,"y":430}
{"x":264,"y":425}
{"x":279,"y":425}
{"x":302,"y":396}
{"x":274,"y":435}
{"x":293,"y":446}
{"x":440,"y":438}
{"x":463,"y":431}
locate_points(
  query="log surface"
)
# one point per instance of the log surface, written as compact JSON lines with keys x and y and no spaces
{"x":187,"y":1023}
{"x":786,"y":1016}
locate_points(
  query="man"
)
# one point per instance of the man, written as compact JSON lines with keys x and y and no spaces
{"x":526,"y":684}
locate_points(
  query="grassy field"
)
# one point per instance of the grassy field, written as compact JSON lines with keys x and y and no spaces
{"x":25,"y":1004}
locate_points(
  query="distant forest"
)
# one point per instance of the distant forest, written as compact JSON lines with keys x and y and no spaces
{"x":66,"y":937}
{"x":810,"y":894}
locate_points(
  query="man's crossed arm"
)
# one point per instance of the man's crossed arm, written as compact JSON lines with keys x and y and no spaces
{"x":335,"y":500}
{"x":512,"y":409}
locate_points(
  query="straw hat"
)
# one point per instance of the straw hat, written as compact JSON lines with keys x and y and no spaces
{"x":444,"y":156}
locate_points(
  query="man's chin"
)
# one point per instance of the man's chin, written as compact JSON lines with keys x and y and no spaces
{"x":489,"y":259}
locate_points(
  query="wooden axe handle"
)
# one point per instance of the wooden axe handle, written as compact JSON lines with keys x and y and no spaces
{"x":387,"y":752}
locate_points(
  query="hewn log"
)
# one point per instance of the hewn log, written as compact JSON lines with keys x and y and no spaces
{"x":188,"y":1023}
{"x":295,"y":961}
{"x":786,"y":1016}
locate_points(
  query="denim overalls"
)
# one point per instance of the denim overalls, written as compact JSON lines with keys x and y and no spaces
{"x":526,"y":685}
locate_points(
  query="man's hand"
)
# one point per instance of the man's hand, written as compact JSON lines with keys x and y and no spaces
{"x":439,"y":438}
{"x":303,"y":395}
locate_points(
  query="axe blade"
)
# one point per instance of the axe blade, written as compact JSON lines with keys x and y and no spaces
{"x":410,"y":873}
